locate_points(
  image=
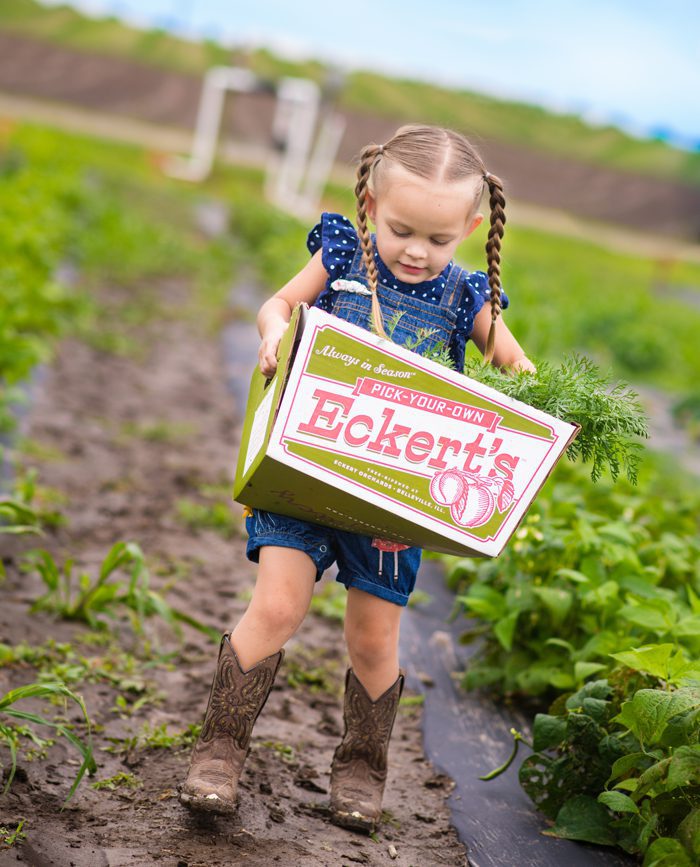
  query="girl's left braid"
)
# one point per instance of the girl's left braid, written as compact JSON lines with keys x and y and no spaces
{"x":497,"y":202}
{"x":368,"y":158}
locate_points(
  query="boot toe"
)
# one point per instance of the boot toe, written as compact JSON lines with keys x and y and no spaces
{"x":211,"y":795}
{"x":207,"y":801}
{"x":358,"y":813}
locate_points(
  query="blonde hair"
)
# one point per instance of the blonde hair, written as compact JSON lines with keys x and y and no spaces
{"x":433,"y":153}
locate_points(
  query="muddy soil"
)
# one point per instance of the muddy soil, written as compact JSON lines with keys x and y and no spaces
{"x":89,"y":418}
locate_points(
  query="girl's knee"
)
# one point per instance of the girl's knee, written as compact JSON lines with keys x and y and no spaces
{"x":278,"y":614}
{"x":371,"y":646}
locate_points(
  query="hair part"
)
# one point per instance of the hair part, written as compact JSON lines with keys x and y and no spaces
{"x":437,"y":154}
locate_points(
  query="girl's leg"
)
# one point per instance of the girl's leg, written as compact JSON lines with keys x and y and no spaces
{"x":281,"y":598}
{"x":372,"y":691}
{"x":248,"y":662}
{"x":372,"y":636}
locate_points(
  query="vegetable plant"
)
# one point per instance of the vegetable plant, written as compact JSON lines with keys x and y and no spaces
{"x":91,"y":599}
{"x":592,"y":570}
{"x":9,"y":735}
{"x":617,"y":762}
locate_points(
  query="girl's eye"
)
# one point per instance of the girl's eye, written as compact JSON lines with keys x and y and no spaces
{"x":439,"y":243}
{"x":400,"y":234}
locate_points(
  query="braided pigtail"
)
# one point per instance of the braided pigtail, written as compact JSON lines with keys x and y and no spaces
{"x":497,"y":203}
{"x":368,"y":159}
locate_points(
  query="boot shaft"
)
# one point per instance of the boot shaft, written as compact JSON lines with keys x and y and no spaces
{"x":368,"y":724}
{"x":237,"y":696}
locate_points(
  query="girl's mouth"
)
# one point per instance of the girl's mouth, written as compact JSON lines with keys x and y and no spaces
{"x":412,"y":269}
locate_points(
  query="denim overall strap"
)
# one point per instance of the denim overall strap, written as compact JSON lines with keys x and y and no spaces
{"x":422,"y":326}
{"x":450,"y":297}
{"x":357,"y":269}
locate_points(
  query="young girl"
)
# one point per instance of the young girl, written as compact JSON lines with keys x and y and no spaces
{"x":422,"y":191}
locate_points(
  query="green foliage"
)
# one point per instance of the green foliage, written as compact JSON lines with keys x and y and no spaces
{"x":116,"y":668}
{"x":9,"y":736}
{"x":92,"y":599}
{"x":98,"y":210}
{"x":619,"y":765}
{"x":217,"y":516}
{"x":121,"y":780}
{"x":437,"y":353}
{"x":300,"y":674}
{"x":10,"y":836}
{"x":593,"y":570}
{"x":155,"y":737}
{"x":17,"y":518}
{"x":610,"y":416}
{"x":686,"y":412}
{"x":330,"y":601}
{"x":274,"y":241}
{"x":35,"y":227}
{"x":566,"y":294}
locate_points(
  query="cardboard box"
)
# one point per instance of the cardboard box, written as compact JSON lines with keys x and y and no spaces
{"x":358,"y":433}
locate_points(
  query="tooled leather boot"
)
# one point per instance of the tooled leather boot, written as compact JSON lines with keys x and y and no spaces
{"x":236,"y":699}
{"x":359,"y":768}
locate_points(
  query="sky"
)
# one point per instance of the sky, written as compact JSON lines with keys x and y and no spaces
{"x":633,"y":63}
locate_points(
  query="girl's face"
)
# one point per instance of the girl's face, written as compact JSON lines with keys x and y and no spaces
{"x":419,"y":223}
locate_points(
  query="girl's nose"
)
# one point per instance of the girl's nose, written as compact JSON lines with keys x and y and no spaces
{"x":415,"y":250}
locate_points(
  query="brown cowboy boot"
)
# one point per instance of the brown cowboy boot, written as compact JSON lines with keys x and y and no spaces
{"x":236,"y":699}
{"x":358,"y":773}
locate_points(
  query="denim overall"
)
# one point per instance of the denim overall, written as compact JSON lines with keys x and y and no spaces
{"x":420,"y":318}
{"x":361,"y":560}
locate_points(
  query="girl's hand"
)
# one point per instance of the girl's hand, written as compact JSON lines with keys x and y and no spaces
{"x":267,"y":354}
{"x":523,"y":364}
{"x":273,"y":316}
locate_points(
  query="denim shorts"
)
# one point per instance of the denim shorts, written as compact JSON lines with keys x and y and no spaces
{"x":389,"y":575}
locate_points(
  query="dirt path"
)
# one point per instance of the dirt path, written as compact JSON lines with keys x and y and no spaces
{"x":95,"y":418}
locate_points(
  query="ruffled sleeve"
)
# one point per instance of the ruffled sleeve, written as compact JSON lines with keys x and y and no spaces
{"x":475,"y":293}
{"x":335,"y":235}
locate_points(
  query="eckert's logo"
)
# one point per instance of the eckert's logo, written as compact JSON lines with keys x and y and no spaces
{"x":459,"y":450}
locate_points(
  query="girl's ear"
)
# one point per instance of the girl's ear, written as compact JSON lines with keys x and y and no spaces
{"x":371,"y":205}
{"x":474,"y":223}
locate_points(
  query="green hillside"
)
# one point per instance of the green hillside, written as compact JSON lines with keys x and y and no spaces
{"x":481,"y":116}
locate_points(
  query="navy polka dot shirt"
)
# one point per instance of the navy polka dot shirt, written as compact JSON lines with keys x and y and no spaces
{"x":337,"y":238}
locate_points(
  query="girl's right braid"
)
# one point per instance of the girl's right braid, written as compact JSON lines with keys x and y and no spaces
{"x":368,"y":158}
{"x":497,"y":202}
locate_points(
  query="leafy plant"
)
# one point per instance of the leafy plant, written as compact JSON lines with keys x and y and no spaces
{"x":121,"y":780}
{"x":91,"y":599}
{"x":17,"y":518}
{"x":155,"y":738}
{"x":617,"y":763}
{"x":610,"y":415}
{"x":10,"y":836}
{"x":9,"y":735}
{"x":593,"y":570}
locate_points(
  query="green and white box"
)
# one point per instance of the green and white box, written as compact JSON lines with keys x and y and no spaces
{"x":358,"y":433}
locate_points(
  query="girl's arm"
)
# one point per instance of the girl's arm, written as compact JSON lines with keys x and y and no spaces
{"x":274,"y":315}
{"x":507,"y":350}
